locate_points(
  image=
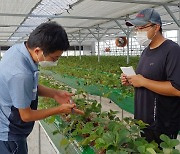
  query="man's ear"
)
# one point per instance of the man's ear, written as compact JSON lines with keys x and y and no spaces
{"x":37,"y":50}
{"x":157,"y":28}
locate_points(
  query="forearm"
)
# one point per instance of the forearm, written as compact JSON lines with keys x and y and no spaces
{"x":161,"y":87}
{"x":33,"y":115}
{"x":46,"y":92}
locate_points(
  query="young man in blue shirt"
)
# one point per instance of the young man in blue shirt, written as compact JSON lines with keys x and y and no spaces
{"x":19,"y":89}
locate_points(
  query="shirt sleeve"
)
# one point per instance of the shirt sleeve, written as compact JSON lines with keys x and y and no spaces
{"x":21,"y":90}
{"x":173,"y":66}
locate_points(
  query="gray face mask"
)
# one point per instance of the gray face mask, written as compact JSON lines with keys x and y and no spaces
{"x":47,"y":63}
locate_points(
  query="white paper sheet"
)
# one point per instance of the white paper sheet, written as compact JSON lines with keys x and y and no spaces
{"x":128,"y":70}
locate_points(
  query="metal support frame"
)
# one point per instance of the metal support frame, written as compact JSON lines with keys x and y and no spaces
{"x":80,"y":41}
{"x":140,"y":2}
{"x":106,"y":20}
{"x":42,"y":129}
{"x":80,"y":45}
{"x":172,"y":15}
{"x":102,"y":34}
{"x":58,"y":16}
{"x":128,"y":33}
{"x":39,"y":139}
{"x":120,"y":26}
{"x":25,"y":19}
{"x":122,"y":114}
{"x":93,"y":34}
{"x":98,"y":38}
{"x":84,"y":37}
{"x":98,"y":45}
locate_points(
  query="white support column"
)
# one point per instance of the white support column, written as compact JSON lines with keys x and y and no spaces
{"x":74,"y":50}
{"x":128,"y":33}
{"x":98,"y":46}
{"x":178,"y":36}
{"x":131,"y":46}
{"x":67,"y":54}
{"x":79,"y":44}
{"x":98,"y":39}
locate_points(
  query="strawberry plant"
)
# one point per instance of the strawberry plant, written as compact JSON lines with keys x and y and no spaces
{"x":105,"y":132}
{"x":106,"y":73}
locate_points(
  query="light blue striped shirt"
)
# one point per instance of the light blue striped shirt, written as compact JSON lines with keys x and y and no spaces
{"x":18,"y":88}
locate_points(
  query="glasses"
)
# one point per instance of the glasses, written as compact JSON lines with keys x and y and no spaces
{"x":54,"y":58}
{"x":51,"y":57}
{"x":143,"y":27}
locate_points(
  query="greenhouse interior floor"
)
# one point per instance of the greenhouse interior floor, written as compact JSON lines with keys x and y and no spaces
{"x":40,"y":143}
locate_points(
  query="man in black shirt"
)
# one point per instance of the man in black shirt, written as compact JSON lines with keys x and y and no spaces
{"x":157,"y":83}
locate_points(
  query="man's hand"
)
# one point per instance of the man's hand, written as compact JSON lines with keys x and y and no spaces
{"x":62,"y":97}
{"x":66,"y":108}
{"x":136,"y":80}
{"x":124,"y":80}
{"x":28,"y":114}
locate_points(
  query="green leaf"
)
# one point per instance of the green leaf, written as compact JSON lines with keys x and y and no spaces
{"x":123,"y":137}
{"x":88,"y":127}
{"x":51,"y":119}
{"x":141,"y":124}
{"x":100,"y":131}
{"x":164,"y":138}
{"x":64,"y":142}
{"x":109,"y":137}
{"x":141,"y":149}
{"x":86,"y":141}
{"x":150,"y":150}
{"x":122,"y":152}
{"x":164,"y":145}
{"x":111,"y":152}
{"x":167,"y":151}
{"x":55,"y":132}
{"x":99,"y":143}
{"x":138,"y":143}
{"x":168,"y":143}
{"x":175,"y":151}
{"x":174,"y":142}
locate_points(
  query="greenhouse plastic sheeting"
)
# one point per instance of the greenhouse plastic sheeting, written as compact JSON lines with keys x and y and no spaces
{"x":113,"y":94}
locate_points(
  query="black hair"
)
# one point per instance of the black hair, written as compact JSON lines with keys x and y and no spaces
{"x":50,"y":37}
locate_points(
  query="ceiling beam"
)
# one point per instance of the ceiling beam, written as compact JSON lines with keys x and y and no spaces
{"x":78,"y":27}
{"x":25,"y":19}
{"x":70,"y":27}
{"x":172,"y":15}
{"x":140,"y":2}
{"x":133,"y":1}
{"x":58,"y":16}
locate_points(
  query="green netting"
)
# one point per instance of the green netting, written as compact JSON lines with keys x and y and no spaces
{"x":113,"y":94}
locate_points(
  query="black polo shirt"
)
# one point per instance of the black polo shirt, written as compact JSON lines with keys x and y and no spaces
{"x":161,"y":64}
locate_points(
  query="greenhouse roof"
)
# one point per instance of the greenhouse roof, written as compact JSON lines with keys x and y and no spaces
{"x":83,"y":19}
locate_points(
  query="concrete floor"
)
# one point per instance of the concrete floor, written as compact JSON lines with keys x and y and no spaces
{"x":46,"y":147}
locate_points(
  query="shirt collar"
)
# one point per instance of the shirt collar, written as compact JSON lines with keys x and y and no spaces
{"x":26,"y":53}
